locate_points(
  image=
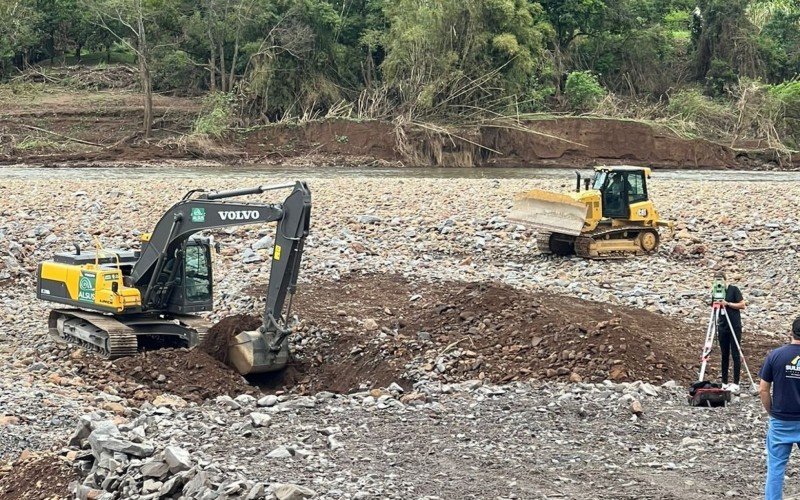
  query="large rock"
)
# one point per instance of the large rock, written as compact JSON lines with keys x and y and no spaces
{"x":260,"y":419}
{"x":268,"y":401}
{"x":291,"y":491}
{"x":106,"y":437}
{"x":280,"y":452}
{"x":197,"y":484}
{"x":265,"y":242}
{"x":155,"y":469}
{"x":177,"y":459}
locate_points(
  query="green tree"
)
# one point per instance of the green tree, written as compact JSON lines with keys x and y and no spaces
{"x":447,"y":56}
{"x":18,"y":34}
{"x":133,"y":24}
{"x":725,"y":34}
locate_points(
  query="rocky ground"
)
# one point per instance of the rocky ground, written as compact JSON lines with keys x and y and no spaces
{"x":410,"y":287}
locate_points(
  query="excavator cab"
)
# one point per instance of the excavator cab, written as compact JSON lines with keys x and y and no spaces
{"x":185,"y":283}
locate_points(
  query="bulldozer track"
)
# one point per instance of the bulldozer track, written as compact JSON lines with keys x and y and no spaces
{"x":583,"y":243}
{"x":543,"y":243}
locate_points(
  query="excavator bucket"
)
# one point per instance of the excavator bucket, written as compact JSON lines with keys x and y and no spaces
{"x":251,"y":352}
{"x":548,"y":211}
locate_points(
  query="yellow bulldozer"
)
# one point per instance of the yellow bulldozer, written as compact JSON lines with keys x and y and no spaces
{"x":611,"y":217}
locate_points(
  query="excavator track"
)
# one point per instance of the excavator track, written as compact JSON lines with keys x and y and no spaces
{"x":634,"y":236}
{"x":111,"y":338}
{"x":94,"y":332}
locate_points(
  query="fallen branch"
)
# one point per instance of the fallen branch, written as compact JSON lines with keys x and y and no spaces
{"x":760,"y":249}
{"x":446,"y":349}
{"x":70,"y":139}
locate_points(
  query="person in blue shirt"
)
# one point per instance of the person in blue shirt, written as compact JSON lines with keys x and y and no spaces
{"x":781,"y":374}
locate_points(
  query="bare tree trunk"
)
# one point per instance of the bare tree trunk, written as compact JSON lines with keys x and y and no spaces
{"x":223,"y":81}
{"x":144,"y":73}
{"x":232,"y":74}
{"x":212,"y":60}
{"x":212,"y":69}
{"x":147,"y":89}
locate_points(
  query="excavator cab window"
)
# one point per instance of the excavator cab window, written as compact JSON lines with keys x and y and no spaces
{"x":197,"y":273}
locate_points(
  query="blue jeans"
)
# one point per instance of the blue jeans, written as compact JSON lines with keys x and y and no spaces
{"x":781,"y":436}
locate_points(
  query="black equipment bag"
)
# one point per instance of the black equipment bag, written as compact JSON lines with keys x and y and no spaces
{"x":708,"y":394}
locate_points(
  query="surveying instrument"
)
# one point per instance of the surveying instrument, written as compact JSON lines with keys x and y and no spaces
{"x":718,"y":292}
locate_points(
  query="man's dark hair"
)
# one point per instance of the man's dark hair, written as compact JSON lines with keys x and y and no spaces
{"x":796,"y":328}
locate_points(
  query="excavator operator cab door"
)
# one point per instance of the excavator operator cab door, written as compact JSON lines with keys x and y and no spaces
{"x":192,"y":290}
{"x":619,"y":190}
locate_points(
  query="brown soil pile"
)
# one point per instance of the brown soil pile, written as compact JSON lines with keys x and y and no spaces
{"x":508,"y":334}
{"x":190,"y":374}
{"x":498,"y":332}
{"x":362,"y":332}
{"x":219,"y":336}
{"x":37,"y":478}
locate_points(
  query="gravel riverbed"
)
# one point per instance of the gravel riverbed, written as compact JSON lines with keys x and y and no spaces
{"x":543,"y":439}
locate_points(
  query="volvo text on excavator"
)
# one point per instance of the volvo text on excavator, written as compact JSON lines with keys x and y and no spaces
{"x":613,"y":216}
{"x":121,"y":299}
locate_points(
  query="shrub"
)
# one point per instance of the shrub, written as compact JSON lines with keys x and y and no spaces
{"x":703,"y":112}
{"x":216,"y":118}
{"x":787,"y":97}
{"x":582,"y":91}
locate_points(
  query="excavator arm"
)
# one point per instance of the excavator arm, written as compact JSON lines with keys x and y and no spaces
{"x":265,"y":349}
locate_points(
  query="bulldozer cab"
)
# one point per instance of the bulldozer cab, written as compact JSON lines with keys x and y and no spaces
{"x":619,"y":188}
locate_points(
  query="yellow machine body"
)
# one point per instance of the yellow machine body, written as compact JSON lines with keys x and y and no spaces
{"x":563,"y":217}
{"x":89,"y":286}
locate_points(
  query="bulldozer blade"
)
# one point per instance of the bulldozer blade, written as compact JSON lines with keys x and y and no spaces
{"x":250,"y":352}
{"x":546,"y":211}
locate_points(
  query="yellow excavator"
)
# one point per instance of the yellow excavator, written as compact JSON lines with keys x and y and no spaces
{"x":611,"y":217}
{"x":119,"y":301}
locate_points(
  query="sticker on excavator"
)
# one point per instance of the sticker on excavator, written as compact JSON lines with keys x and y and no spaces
{"x":198,"y":214}
{"x":277,"y":254}
{"x":86,"y":286}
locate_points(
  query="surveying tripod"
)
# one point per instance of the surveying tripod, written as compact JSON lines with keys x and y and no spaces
{"x":717,"y":310}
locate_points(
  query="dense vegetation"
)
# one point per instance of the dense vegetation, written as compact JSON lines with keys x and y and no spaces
{"x":730,"y":66}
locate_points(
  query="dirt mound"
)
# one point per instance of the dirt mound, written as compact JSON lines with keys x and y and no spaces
{"x":504,"y":334}
{"x":377,"y":326}
{"x":37,"y":478}
{"x":219,"y":336}
{"x":190,"y":374}
{"x":368,"y":331}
